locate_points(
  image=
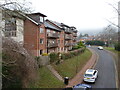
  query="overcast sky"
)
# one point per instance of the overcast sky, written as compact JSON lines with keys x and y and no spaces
{"x":85,"y":15}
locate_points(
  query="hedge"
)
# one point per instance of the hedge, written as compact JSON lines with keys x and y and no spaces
{"x":117,"y":46}
{"x":71,"y":54}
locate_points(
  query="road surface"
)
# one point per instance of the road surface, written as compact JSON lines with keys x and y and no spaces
{"x":106,"y":70}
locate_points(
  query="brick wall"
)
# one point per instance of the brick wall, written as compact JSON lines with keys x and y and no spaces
{"x":31,"y":37}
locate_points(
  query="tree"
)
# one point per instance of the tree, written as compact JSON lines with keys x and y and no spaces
{"x":19,"y":69}
{"x":109,"y":35}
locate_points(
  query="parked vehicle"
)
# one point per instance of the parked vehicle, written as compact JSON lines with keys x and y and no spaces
{"x":90,"y":75}
{"x":82,"y":87}
{"x":100,"y":48}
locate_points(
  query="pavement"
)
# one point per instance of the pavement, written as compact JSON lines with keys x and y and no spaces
{"x":90,"y":64}
{"x":55,"y":73}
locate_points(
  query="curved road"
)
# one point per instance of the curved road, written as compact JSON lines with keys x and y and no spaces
{"x":106,"y":70}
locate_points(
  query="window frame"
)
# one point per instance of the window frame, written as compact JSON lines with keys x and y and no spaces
{"x":41,"y":19}
{"x":42,"y":41}
{"x":41,"y":30}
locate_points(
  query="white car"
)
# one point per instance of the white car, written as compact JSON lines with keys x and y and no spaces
{"x":90,"y":75}
{"x":100,"y":48}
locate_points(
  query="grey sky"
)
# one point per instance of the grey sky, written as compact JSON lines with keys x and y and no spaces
{"x":83,"y":14}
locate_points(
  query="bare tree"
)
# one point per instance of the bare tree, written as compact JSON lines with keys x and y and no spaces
{"x":109,"y":35}
{"x":14,"y":55}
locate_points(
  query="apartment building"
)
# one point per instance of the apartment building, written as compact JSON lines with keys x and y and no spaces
{"x":35,"y":34}
{"x":38,"y":35}
{"x":68,"y":36}
{"x":60,"y":39}
{"x":13,"y":25}
{"x":53,"y":35}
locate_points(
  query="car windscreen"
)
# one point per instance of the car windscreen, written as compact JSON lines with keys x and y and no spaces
{"x":88,"y":75}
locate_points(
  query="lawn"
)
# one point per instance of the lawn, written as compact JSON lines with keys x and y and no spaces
{"x":48,"y":80}
{"x":112,"y":49}
{"x":71,"y":66}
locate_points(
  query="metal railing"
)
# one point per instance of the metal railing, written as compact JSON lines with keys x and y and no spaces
{"x":53,"y":35}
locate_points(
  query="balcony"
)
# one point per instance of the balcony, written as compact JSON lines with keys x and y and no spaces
{"x":68,"y":31}
{"x":68,"y":44}
{"x":74,"y":39}
{"x":68,"y":37}
{"x":52,"y":45}
{"x":53,"y":35}
{"x":10,"y":33}
{"x":75,"y":34}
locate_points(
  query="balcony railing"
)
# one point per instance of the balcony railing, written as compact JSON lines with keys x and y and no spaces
{"x":75,"y":34}
{"x":74,"y":39}
{"x":50,"y":45}
{"x":68,"y":37}
{"x":10,"y":33}
{"x":68,"y":31}
{"x":68,"y":44}
{"x":53,"y":35}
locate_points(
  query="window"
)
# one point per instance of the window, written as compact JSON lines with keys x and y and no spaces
{"x":58,"y":41}
{"x":48,"y":31}
{"x":10,"y":27}
{"x":54,"y":32}
{"x":41,"y":19}
{"x":94,"y":73}
{"x":41,"y":51}
{"x":62,"y":49}
{"x":41,"y":30}
{"x":41,"y":41}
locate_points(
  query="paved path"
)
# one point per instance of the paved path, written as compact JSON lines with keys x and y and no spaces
{"x":55,"y":72}
{"x":90,"y":64}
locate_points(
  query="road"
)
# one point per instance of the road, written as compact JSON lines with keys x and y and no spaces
{"x":106,"y":70}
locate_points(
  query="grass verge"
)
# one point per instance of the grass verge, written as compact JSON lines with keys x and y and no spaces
{"x":47,"y":79}
{"x":71,"y":66}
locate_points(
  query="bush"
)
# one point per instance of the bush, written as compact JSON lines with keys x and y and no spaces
{"x":19,"y":68}
{"x":38,"y":59}
{"x":44,"y":54}
{"x":96,"y":42}
{"x":79,"y":45}
{"x":72,"y":54}
{"x":117,"y":46}
{"x":54,"y":57}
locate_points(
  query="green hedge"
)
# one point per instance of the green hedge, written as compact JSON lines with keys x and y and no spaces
{"x":54,"y":57}
{"x":117,"y":46}
{"x":71,"y":54}
{"x":95,"y":42}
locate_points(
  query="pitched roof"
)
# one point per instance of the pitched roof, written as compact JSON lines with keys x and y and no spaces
{"x":38,"y":13}
{"x":48,"y":25}
{"x":56,"y":23}
{"x":29,"y":18}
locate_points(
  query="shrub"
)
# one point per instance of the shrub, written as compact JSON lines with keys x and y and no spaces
{"x":79,"y":45}
{"x":72,"y":54}
{"x":44,"y":54}
{"x":96,"y":42}
{"x":53,"y":57}
{"x":117,"y":46}
{"x":19,"y":68}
